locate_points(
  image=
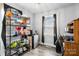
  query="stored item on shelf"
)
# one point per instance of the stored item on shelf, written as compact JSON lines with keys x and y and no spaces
{"x":14,"y":11}
{"x":20,"y":50}
{"x":70,"y":27}
{"x":13,"y":45}
{"x":24,"y":31}
{"x":9,"y":13}
{"x":24,"y":20}
{"x":18,"y":28}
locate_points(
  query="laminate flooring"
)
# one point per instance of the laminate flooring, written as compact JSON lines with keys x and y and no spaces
{"x":42,"y":50}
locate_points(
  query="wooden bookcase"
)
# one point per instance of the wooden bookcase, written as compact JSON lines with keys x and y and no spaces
{"x":71,"y":48}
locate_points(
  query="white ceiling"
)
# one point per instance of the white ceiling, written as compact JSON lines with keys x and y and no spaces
{"x":42,"y":7}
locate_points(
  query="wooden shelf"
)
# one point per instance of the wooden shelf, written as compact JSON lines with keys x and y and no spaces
{"x":70,"y":27}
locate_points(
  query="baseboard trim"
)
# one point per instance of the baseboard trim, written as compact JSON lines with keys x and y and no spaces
{"x":47,"y":45}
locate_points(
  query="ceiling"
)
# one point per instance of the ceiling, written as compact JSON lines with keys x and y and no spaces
{"x":42,"y":7}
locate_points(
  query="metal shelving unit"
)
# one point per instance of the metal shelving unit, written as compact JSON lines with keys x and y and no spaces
{"x":10,"y":36}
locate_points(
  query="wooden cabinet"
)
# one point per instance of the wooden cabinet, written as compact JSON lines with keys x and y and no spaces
{"x":72,"y":48}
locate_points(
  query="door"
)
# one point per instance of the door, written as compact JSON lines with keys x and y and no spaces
{"x":49,"y":30}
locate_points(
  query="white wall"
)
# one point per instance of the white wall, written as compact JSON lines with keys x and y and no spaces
{"x":77,"y":10}
{"x":64,"y":16}
{"x":2,"y":51}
